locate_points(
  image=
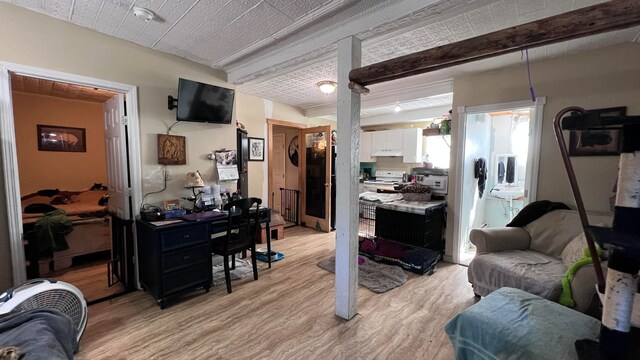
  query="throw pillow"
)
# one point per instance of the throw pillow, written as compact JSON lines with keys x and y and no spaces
{"x":574,"y":250}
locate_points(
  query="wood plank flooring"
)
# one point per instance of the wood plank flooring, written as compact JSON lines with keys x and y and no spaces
{"x":90,"y":278}
{"x":288,"y":313}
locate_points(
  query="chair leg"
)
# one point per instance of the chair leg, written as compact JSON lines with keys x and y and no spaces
{"x":233,"y":262}
{"x":227,"y":273}
{"x":254,"y":262}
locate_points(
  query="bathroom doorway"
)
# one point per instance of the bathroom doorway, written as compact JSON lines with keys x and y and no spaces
{"x":498,"y":166}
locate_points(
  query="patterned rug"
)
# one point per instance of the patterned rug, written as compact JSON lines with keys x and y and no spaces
{"x":376,"y":277}
{"x":243,"y":270}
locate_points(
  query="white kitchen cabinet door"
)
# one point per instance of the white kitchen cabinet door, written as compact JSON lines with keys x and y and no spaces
{"x":366,"y":147}
{"x":379,"y":140}
{"x":394,"y":139}
{"x":412,"y":145}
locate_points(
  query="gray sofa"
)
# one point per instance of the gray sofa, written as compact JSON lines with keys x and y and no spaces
{"x":530,"y":258}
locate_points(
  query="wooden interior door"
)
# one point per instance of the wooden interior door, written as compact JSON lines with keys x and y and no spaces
{"x":278,"y":179}
{"x":315,"y":185}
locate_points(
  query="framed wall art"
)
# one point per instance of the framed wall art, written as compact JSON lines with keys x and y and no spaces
{"x":61,"y":138}
{"x":256,"y":149}
{"x":172,"y":150}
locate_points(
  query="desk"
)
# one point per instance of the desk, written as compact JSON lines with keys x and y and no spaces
{"x":176,"y":257}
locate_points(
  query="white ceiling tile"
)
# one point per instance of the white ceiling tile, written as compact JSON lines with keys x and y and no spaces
{"x":527,"y":6}
{"x":460,"y":27}
{"x":112,"y":15}
{"x":585,"y":3}
{"x":58,"y":8}
{"x":86,"y":12}
{"x":505,"y":13}
{"x":308,"y":5}
{"x":481,"y":20}
{"x":132,"y":27}
{"x":293,"y":11}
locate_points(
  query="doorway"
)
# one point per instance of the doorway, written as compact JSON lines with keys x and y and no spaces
{"x":109,"y":231}
{"x":498,"y":165}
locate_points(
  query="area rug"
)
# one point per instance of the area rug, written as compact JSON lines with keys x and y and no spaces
{"x":243,"y":269}
{"x":376,"y":277}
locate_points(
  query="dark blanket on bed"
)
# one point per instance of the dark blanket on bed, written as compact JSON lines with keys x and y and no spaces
{"x":50,"y":230}
{"x":41,"y":334}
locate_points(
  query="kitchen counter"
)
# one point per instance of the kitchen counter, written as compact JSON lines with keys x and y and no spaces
{"x":414,"y":207}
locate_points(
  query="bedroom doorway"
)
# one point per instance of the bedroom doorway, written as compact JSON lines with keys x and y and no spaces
{"x":99,"y":254}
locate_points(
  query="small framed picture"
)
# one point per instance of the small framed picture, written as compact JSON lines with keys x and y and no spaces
{"x":256,"y":149}
{"x":61,"y":138}
{"x":172,"y":204}
{"x":172,"y":150}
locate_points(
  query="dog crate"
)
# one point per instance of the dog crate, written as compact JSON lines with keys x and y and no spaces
{"x":367,"y":220}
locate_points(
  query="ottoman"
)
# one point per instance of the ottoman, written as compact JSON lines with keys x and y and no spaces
{"x":513,"y":324}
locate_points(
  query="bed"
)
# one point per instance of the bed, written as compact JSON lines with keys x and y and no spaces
{"x":91,"y":224}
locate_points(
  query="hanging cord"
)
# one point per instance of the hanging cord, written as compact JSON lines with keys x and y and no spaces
{"x":164,"y":175}
{"x":533,"y":94}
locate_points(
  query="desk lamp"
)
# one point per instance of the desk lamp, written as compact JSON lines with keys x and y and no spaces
{"x":193,"y":181}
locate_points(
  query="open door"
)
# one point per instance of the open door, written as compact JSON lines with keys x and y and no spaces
{"x":119,"y":205}
{"x":315,"y":168}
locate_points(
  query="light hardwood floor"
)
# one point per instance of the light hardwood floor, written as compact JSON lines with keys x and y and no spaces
{"x":90,"y":278}
{"x":287,"y":314}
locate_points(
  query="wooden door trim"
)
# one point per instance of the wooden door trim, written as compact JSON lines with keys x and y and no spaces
{"x":270,"y":124}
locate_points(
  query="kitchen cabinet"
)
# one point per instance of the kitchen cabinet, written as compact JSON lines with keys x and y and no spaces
{"x":365,"y":147}
{"x":411,"y":145}
{"x":387,"y":142}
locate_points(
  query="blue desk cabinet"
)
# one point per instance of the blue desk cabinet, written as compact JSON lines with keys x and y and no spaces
{"x":174,"y":258}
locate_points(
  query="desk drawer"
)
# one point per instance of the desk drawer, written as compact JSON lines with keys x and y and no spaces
{"x":173,"y":239}
{"x":186,"y":278}
{"x":186,"y":257}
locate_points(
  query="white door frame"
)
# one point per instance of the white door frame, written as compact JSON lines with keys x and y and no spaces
{"x":10,"y":159}
{"x":533,"y":161}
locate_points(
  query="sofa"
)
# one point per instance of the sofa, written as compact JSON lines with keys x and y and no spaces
{"x":535,"y":257}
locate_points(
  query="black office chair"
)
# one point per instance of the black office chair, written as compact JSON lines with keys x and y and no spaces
{"x":241,"y":234}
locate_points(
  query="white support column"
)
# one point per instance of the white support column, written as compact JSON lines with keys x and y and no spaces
{"x":347,"y":171}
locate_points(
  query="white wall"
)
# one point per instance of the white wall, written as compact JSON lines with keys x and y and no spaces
{"x":600,"y":78}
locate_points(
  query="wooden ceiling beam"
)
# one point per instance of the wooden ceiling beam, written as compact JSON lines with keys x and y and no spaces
{"x":609,"y":16}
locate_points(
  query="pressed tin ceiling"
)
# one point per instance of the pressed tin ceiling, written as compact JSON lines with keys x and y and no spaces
{"x":280,"y":49}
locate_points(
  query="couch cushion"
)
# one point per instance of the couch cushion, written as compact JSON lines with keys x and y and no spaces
{"x":574,"y":251}
{"x":551,"y":233}
{"x":527,"y":270}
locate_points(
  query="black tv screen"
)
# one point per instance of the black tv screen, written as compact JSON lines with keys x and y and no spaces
{"x":204,"y":103}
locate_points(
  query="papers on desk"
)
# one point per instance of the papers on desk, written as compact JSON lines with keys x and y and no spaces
{"x":165,"y":222}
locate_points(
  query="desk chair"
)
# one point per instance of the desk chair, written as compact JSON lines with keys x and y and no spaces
{"x":241,"y":234}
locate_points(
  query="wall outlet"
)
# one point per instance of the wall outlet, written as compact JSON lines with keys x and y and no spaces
{"x":167,"y":174}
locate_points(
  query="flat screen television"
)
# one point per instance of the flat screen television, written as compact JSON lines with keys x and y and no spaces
{"x":200,"y":102}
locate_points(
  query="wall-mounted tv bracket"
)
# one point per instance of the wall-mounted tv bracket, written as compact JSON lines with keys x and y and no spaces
{"x":172,"y":102}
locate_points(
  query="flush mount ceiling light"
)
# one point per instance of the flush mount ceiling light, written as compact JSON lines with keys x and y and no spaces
{"x":143,"y":14}
{"x":327,"y":86}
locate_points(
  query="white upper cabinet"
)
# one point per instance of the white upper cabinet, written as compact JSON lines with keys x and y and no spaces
{"x":411,"y":145}
{"x":387,"y":143}
{"x":365,"y":147}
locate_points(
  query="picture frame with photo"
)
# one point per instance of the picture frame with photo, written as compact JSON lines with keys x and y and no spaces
{"x":61,"y":138}
{"x":256,"y":149}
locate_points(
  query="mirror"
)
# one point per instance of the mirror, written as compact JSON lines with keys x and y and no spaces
{"x":506,"y":169}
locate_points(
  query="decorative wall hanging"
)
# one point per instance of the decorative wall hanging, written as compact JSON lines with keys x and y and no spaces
{"x":61,"y":138}
{"x":293,"y":151}
{"x":256,"y":149}
{"x":172,"y":150}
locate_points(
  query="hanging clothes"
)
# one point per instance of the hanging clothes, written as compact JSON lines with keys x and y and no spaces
{"x":480,"y":172}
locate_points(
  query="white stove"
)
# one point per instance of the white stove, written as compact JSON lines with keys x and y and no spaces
{"x":385,"y":180}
